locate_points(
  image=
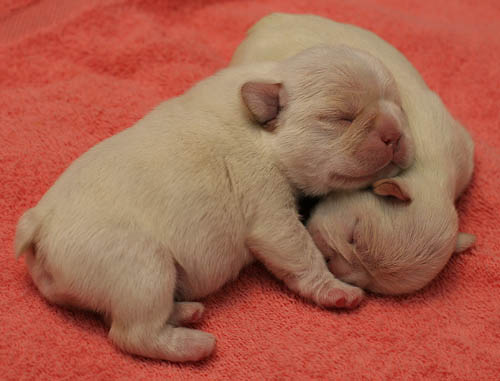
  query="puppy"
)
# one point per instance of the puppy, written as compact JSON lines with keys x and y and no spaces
{"x":173,"y":207}
{"x":396,"y":238}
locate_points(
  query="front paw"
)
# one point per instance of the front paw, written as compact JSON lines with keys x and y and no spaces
{"x":338,"y":294}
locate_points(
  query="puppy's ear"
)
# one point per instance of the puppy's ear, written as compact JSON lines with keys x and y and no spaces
{"x":264,"y":101}
{"x":392,"y":187}
{"x":464,"y":241}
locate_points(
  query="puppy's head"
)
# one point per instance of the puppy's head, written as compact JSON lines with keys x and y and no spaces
{"x":335,"y":119}
{"x":383,"y":245}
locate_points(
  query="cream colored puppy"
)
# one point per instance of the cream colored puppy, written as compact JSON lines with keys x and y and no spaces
{"x":176,"y":205}
{"x":399,"y":242}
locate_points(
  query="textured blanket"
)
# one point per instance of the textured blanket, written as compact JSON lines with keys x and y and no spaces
{"x":75,"y":72}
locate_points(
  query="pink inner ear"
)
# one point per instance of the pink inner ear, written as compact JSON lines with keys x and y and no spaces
{"x":262,"y":99}
{"x":390,"y":187}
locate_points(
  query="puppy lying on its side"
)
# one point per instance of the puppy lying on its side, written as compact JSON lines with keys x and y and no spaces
{"x":176,"y":205}
{"x":371,"y":241}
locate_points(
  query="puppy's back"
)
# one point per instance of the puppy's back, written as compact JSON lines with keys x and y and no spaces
{"x":141,"y":169}
{"x":265,"y":42}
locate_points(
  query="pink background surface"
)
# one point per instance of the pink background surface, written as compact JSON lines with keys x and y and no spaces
{"x":75,"y":72}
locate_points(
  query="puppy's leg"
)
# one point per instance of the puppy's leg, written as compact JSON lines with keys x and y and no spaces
{"x":140,"y":316}
{"x":186,"y":313}
{"x":288,"y":251}
{"x":183,"y":313}
{"x":163,"y":341}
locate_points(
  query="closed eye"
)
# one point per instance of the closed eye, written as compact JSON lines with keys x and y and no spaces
{"x":346,"y":119}
{"x":329,"y":118}
{"x":352,"y":235}
{"x":358,"y":249}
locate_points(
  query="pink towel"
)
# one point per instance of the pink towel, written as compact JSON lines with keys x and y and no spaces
{"x":75,"y":72}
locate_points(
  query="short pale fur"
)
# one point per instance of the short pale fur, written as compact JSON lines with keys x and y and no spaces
{"x":176,"y":205}
{"x":383,"y":244}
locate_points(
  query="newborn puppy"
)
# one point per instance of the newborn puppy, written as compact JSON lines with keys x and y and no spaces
{"x":396,"y":238}
{"x":399,"y":242}
{"x":176,"y":205}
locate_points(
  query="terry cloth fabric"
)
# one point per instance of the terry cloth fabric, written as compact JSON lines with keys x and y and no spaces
{"x":75,"y":72}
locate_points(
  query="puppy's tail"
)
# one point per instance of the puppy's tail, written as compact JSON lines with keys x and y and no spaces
{"x":27,"y":229}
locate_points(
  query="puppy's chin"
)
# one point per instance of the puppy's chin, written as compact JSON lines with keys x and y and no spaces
{"x":348,"y":182}
{"x":345,"y":182}
{"x":389,"y":170}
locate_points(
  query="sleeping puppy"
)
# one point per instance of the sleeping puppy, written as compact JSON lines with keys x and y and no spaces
{"x":172,"y":208}
{"x":396,"y":238}
{"x":399,"y":242}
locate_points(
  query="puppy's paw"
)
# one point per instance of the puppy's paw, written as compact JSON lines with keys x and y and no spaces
{"x":193,"y":345}
{"x":186,"y":313}
{"x":340,"y":295}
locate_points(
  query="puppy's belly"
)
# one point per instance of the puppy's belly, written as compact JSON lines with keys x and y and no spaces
{"x":205,"y":272}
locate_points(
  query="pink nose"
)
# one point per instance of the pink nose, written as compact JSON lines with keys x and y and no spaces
{"x":390,"y":137}
{"x":388,"y":131}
